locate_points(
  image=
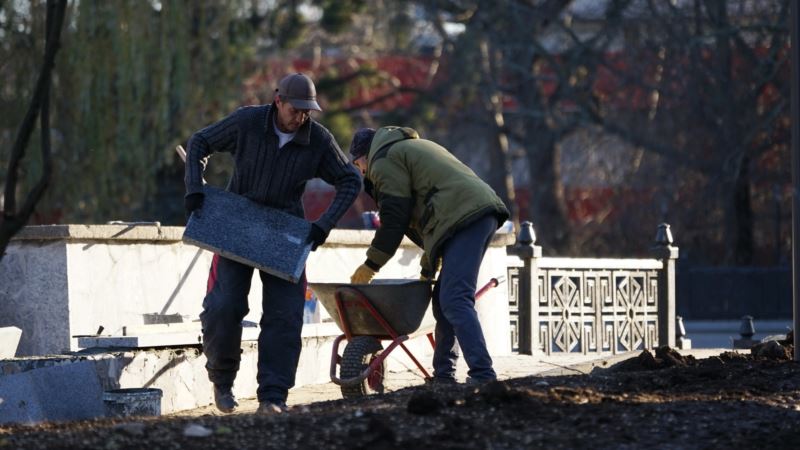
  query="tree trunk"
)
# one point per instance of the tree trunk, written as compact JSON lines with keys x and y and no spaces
{"x":14,"y":219}
{"x":739,"y":227}
{"x":501,"y":176}
{"x":548,"y":205}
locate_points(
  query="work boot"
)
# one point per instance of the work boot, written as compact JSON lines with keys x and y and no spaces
{"x":224,"y":399}
{"x":269,"y":408}
{"x":479,"y":382}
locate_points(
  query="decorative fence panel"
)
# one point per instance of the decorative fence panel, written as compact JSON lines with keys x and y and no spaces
{"x":513,"y":306}
{"x":587,"y":305}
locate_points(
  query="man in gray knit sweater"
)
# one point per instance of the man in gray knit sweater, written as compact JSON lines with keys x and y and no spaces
{"x":276,"y":148}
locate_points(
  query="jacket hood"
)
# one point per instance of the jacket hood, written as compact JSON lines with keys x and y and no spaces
{"x":389,"y":135}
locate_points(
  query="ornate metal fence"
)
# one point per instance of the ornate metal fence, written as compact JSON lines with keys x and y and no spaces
{"x":590,"y":305}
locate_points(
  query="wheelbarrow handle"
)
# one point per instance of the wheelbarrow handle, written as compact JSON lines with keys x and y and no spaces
{"x":494,"y":282}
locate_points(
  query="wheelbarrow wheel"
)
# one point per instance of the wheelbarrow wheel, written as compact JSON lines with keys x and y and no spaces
{"x":357,"y":355}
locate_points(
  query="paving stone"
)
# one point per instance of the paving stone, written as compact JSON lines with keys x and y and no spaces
{"x":67,"y":392}
{"x":244,"y":231}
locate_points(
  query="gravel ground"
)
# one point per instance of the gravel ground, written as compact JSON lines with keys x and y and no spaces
{"x":661,"y":400}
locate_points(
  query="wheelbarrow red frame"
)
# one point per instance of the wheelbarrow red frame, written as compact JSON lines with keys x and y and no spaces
{"x":397,"y":340}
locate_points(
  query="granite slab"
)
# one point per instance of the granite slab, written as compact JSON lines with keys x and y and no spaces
{"x":70,"y":391}
{"x":253,"y":234}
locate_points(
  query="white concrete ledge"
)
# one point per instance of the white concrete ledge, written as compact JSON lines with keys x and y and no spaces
{"x":130,"y":232}
{"x":152,"y":231}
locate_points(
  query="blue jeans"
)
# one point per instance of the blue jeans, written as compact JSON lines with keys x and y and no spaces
{"x":454,"y":303}
{"x":279,"y":342}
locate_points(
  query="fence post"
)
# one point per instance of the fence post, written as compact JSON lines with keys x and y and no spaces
{"x":529,"y":253}
{"x":667,"y":253}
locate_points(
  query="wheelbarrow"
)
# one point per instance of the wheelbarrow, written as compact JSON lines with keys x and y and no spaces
{"x":386,"y":310}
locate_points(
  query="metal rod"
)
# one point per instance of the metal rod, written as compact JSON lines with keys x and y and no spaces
{"x":430,"y":339}
{"x":494,"y":282}
{"x":795,"y":97}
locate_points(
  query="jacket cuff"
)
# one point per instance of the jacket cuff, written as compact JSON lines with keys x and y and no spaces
{"x":323,"y":226}
{"x":377,"y":257}
{"x":372,"y":265}
{"x":325,"y":223}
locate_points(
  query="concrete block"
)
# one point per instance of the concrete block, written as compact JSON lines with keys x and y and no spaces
{"x":9,"y":340}
{"x":34,"y":296}
{"x":70,"y":391}
{"x":253,"y":234}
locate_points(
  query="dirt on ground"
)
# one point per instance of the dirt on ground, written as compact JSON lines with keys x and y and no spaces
{"x":655,"y":400}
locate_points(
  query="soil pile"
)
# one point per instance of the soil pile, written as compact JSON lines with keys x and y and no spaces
{"x":661,"y":400}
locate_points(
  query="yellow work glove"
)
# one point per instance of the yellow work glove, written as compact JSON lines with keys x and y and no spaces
{"x":362,"y":275}
{"x":428,"y":274}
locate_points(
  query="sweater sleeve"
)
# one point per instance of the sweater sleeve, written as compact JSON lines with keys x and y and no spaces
{"x":334,"y":169}
{"x":395,"y":214}
{"x":395,"y":204}
{"x":217,"y":137}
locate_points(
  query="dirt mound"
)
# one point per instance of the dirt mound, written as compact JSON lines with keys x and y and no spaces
{"x":733,"y":356}
{"x":665,"y":357}
{"x":789,"y":339}
{"x":773,"y":350}
{"x":424,"y":403}
{"x":729,"y":401}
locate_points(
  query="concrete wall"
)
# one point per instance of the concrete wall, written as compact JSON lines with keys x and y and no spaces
{"x":60,"y":281}
{"x":34,"y":295}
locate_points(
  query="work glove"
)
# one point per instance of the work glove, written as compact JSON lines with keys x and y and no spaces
{"x":362,"y":275}
{"x":316,"y":236}
{"x":193,"y":203}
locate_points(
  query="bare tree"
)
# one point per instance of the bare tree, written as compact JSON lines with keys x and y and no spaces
{"x":13,"y":219}
{"x":536,"y":124}
{"x":713,"y":74}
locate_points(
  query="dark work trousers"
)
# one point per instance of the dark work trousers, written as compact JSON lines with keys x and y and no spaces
{"x":454,"y":303}
{"x":224,"y":307}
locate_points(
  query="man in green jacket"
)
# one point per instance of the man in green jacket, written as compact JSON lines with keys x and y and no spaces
{"x":424,"y":192}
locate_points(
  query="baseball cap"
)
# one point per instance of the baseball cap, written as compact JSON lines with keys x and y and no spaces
{"x":299,"y":91}
{"x":361,"y":142}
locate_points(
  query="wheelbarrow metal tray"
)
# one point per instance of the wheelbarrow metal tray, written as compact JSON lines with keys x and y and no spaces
{"x":240,"y":229}
{"x":402,"y":304}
